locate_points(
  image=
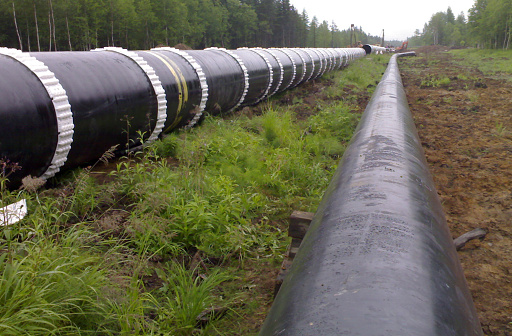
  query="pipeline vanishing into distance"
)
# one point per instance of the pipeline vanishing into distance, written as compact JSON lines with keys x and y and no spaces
{"x":378,"y":258}
{"x":62,"y":109}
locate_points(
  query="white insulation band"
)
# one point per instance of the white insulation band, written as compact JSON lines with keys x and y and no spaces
{"x":304,"y":66}
{"x":157,"y":87}
{"x":322,"y":62}
{"x":281,"y":71}
{"x":202,"y":80}
{"x":244,"y":70}
{"x":326,"y":60}
{"x":312,"y":63}
{"x":332,"y":59}
{"x":270,"y":72}
{"x":293,"y":66}
{"x":60,"y":102}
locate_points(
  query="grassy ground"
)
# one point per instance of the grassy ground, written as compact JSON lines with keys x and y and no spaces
{"x":186,"y":237}
{"x":493,"y":63}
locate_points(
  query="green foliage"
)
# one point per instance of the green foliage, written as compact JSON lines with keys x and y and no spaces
{"x":48,"y":288}
{"x":129,"y":312}
{"x":185,"y":295}
{"x":443,"y":29}
{"x":499,"y":129}
{"x":487,"y":26}
{"x":434,"y":82}
{"x":143,"y":24}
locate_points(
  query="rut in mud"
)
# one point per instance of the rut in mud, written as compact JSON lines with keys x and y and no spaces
{"x":464,"y":121}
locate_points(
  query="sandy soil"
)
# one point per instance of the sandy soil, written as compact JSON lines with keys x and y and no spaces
{"x":465,"y":126}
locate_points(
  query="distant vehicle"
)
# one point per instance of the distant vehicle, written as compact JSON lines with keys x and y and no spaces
{"x":403,"y":47}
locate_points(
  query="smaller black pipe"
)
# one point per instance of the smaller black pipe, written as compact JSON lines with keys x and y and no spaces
{"x":378,"y":258}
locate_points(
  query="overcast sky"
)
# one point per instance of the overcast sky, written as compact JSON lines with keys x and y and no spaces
{"x":398,"y":18}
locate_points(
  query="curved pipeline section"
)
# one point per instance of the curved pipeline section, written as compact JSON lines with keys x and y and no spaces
{"x":64,"y":109}
{"x":378,"y":258}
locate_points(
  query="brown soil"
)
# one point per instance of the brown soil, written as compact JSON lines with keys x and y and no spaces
{"x":465,"y":126}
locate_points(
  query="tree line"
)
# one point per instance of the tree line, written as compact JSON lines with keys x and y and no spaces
{"x":488,"y":25}
{"x":42,"y":25}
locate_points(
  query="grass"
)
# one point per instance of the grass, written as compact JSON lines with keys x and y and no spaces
{"x":187,"y":228}
{"x":435,"y":82}
{"x":494,"y":63}
{"x":499,"y":129}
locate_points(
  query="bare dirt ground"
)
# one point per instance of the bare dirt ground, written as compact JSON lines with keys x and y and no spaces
{"x":465,"y":126}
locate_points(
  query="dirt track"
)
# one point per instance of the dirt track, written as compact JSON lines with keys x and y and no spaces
{"x":465,"y":126}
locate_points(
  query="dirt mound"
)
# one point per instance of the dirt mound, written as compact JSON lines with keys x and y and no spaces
{"x":182,"y":46}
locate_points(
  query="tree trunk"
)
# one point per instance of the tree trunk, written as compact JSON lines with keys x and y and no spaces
{"x":28,"y":37}
{"x":16,"y":25}
{"x":37,"y":28}
{"x":505,"y":36}
{"x":87,"y":39}
{"x":53,"y":25}
{"x":50,"y":27}
{"x":147,"y":35}
{"x":112,"y":31}
{"x":69,"y":35}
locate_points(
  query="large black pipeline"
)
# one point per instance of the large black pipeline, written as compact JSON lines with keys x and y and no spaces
{"x":63,"y":109}
{"x":378,"y":258}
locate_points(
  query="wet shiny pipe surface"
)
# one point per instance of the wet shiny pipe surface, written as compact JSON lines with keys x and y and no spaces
{"x":378,"y":258}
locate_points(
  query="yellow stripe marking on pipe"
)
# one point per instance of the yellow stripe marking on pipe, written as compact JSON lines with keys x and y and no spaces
{"x":180,"y":80}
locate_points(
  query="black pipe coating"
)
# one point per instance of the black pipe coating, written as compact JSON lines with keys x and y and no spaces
{"x":309,"y":64}
{"x":108,"y":110}
{"x":64,"y":109}
{"x":28,"y":126}
{"x":181,"y":84}
{"x":300,"y":69}
{"x":259,"y":75}
{"x":225,"y":78}
{"x":378,"y":258}
{"x":317,"y":61}
{"x":289,"y":69}
{"x":277,"y":70}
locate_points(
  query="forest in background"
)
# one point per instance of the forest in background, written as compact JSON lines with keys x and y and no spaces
{"x":42,"y":25}
{"x":488,"y":25}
